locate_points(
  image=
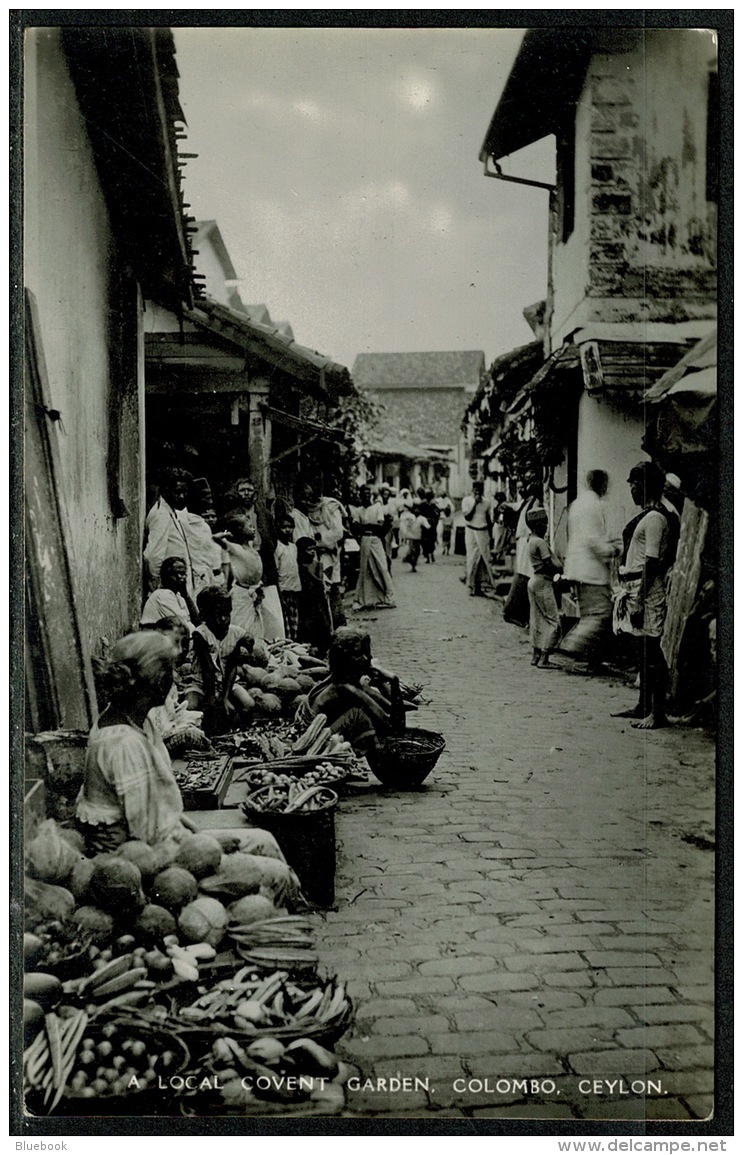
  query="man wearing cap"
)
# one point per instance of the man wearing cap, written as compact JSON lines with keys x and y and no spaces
{"x":640,"y":608}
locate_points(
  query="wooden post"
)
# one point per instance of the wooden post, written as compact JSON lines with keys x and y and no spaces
{"x":259,"y":440}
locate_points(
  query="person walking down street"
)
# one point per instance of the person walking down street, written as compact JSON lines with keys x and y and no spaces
{"x":544,"y":615}
{"x":640,"y":607}
{"x":430,"y":512}
{"x":589,"y":554}
{"x":476,"y":511}
{"x":412,"y":525}
{"x":374,"y":589}
{"x":390,"y":510}
{"x":166,"y":532}
{"x":516,"y":605}
{"x":446,"y":521}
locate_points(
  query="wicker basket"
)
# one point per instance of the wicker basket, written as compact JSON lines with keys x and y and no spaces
{"x":407,"y":759}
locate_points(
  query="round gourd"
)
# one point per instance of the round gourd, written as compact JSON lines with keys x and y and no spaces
{"x":116,"y":885}
{"x":203,"y":920}
{"x":79,"y":881}
{"x":271,"y":704}
{"x":144,"y":858}
{"x":199,"y":854}
{"x":99,"y":924}
{"x":174,"y":888}
{"x":252,"y":908}
{"x":153,"y":924}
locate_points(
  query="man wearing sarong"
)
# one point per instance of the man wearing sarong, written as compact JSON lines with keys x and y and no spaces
{"x":640,"y":607}
{"x":587,"y":561}
{"x":370,"y":525}
{"x":477,"y":536}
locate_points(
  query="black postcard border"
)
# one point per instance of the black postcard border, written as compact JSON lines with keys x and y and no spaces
{"x":722,"y":1121}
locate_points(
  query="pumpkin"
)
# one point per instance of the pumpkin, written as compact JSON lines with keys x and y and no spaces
{"x":49,"y":856}
{"x":116,"y":885}
{"x":252,"y":908}
{"x":79,"y":881}
{"x":97,"y":923}
{"x":144,"y":858}
{"x":153,"y":924}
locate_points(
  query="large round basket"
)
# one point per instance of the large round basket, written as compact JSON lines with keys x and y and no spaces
{"x":407,"y":759}
{"x":307,"y":838}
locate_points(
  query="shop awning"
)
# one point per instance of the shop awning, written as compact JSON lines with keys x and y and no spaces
{"x":696,"y":372}
{"x":269,"y":344}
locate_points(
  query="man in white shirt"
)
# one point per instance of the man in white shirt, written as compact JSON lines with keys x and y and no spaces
{"x":477,"y":527}
{"x":166,"y":533}
{"x":587,"y":561}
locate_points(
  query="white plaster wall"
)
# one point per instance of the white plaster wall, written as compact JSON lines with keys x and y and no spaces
{"x":69,"y":263}
{"x":609,"y":439}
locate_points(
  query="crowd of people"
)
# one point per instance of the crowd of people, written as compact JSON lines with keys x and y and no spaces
{"x":619,"y":583}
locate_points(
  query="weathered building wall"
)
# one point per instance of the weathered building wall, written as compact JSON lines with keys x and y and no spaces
{"x":89,"y":330}
{"x":609,"y":438}
{"x":430,"y":417}
{"x":643,"y":245}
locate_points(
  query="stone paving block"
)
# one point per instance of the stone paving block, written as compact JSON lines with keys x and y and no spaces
{"x":667,"y":1035}
{"x":634,"y":996}
{"x":374,"y":1046}
{"x":555,"y":961}
{"x":553,"y":944}
{"x":417,"y":1024}
{"x":373,"y":972}
{"x":546,"y":1000}
{"x":516,"y":1019}
{"x":680,"y":1013}
{"x":472,"y":1043}
{"x":685,"y":1083}
{"x":635,"y":977}
{"x":421,"y":985}
{"x":563,"y":1040}
{"x":515,"y":1065}
{"x":601,"y":1063}
{"x":700,"y":1106}
{"x":697,"y":994}
{"x":456,"y":966}
{"x":379,"y":1008}
{"x":602,"y":959}
{"x":603,"y":1017}
{"x":499,"y":981}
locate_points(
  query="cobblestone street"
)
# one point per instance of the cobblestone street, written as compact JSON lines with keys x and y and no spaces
{"x":543,"y":909}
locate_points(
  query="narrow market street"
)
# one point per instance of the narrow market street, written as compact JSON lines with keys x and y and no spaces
{"x":543,"y":908}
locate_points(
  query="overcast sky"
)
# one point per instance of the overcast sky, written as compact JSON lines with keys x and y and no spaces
{"x":342,"y":168}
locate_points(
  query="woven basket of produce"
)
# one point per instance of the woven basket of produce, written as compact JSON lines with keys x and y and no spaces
{"x":120,"y":1067}
{"x":407,"y":759}
{"x":303,"y":823}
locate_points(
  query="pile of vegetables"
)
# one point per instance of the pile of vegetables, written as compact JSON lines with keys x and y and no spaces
{"x":278,"y":673}
{"x":318,"y":738}
{"x":289,"y":800}
{"x":310,"y":772}
{"x":199,"y":774}
{"x":147,"y":951}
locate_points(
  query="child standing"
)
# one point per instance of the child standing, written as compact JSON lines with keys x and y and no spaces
{"x":290,"y":583}
{"x":544,"y":616}
{"x":314,"y":626}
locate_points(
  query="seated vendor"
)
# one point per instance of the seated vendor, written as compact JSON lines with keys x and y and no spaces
{"x":219,"y":648}
{"x":354,"y":698}
{"x":172,"y":598}
{"x":129,"y":791}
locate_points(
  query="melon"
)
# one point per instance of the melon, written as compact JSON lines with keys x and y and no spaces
{"x":143,"y":857}
{"x":116,"y":885}
{"x":96,"y":923}
{"x":153,"y":924}
{"x":199,"y":854}
{"x":252,"y":908}
{"x":79,"y":881}
{"x":174,"y":888}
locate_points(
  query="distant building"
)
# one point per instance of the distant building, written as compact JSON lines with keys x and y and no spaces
{"x":214,"y":268}
{"x":425,"y":395}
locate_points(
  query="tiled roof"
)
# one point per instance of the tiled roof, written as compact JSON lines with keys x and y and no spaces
{"x":418,"y":370}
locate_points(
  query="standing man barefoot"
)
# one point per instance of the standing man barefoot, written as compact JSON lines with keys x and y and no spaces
{"x":640,"y":609}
